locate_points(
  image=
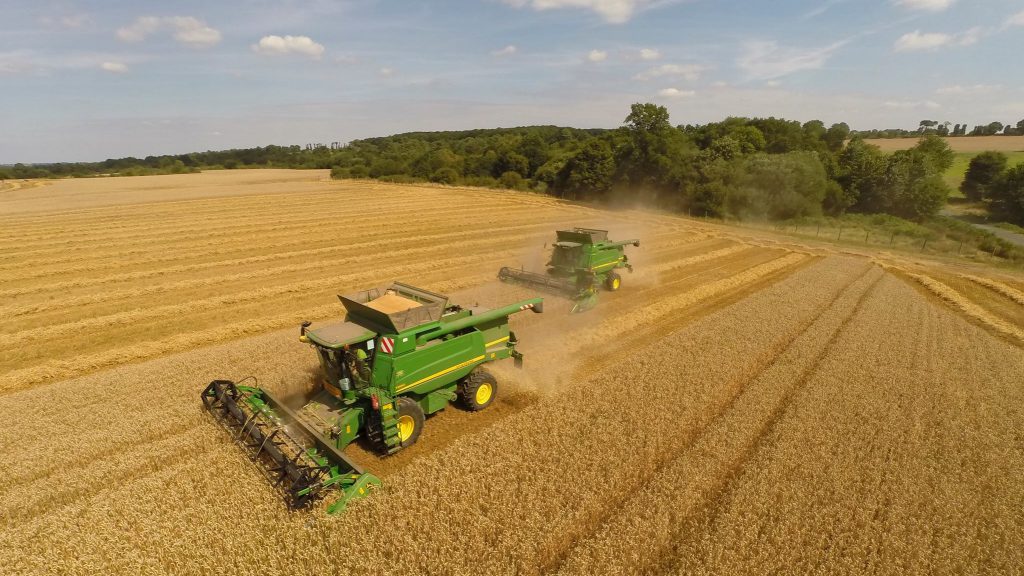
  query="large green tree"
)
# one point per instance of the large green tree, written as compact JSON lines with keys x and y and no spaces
{"x":589,"y":172}
{"x":982,"y":173}
{"x":1008,"y":194}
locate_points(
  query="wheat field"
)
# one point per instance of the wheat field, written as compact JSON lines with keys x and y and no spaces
{"x":740,"y":406}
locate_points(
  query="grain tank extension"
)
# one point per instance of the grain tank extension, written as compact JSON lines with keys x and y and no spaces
{"x":401,"y":353}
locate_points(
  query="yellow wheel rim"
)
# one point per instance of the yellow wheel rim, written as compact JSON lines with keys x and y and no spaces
{"x":483,"y":394}
{"x":406,"y":426}
{"x":615,"y":284}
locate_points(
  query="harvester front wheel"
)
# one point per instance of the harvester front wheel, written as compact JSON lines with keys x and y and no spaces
{"x":410,"y":420}
{"x":612,"y":282}
{"x":478,"y":390}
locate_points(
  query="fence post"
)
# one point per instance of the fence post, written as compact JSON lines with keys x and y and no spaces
{"x":818,"y":231}
{"x":892,"y":239}
{"x":866,"y":234}
{"x":924,"y":244}
{"x":840,"y":234}
{"x":960,"y":248}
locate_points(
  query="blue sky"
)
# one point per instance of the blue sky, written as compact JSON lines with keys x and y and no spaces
{"x":91,"y":80}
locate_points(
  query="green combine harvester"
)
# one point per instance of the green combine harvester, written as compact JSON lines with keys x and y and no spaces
{"x":582,"y":259}
{"x":401,"y":353}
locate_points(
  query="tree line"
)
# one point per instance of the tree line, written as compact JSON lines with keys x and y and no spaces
{"x":740,"y":167}
{"x":744,"y":168}
{"x":991,"y":179}
{"x":929,"y":127}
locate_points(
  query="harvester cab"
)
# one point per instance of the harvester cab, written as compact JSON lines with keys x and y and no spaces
{"x":401,"y":353}
{"x":582,"y":260}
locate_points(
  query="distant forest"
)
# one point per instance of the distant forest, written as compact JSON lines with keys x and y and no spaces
{"x":927,"y":127}
{"x":760,"y":168}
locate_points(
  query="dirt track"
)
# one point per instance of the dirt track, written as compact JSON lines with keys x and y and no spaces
{"x":735,"y":408}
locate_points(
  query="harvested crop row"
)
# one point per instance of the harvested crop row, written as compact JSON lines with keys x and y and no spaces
{"x":1004,"y":289}
{"x":264,"y":253}
{"x":54,"y":369}
{"x":264,"y":266}
{"x":315,"y":230}
{"x":969,"y":308}
{"x":199,"y":249}
{"x":230,"y":294}
{"x":912,"y":424}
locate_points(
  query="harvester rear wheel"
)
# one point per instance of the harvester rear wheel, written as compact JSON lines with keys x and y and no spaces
{"x":612,"y":281}
{"x":478,"y":390}
{"x":410,"y":420}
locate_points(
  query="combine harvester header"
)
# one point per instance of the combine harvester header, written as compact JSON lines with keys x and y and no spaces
{"x":401,"y":353}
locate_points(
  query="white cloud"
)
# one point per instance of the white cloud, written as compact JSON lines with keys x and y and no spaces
{"x":915,"y":40}
{"x":277,"y":45}
{"x":506,"y":51}
{"x":138,"y":30}
{"x":32,"y":62}
{"x":970,"y":37}
{"x":766,"y":60}
{"x":386,"y":72}
{"x":193,"y":32}
{"x":649,"y":54}
{"x":689,"y":72}
{"x":186,"y":30}
{"x":957,"y":89}
{"x":918,"y":41}
{"x":912,"y":105}
{"x":115,"y":67}
{"x":69,"y":21}
{"x":1016,"y":20}
{"x":676,"y":93}
{"x":773,"y":84}
{"x":597,"y":56}
{"x":613,"y":11}
{"x":927,"y":5}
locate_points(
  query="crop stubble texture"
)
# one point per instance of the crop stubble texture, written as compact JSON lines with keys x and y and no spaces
{"x":735,"y":409}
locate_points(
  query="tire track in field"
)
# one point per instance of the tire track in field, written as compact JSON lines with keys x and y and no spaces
{"x":729,"y":471}
{"x":704,"y":452}
{"x":40,"y":495}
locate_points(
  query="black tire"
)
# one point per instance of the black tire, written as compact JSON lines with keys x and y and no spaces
{"x":612,"y":281}
{"x":409,"y":408}
{"x":470,"y":395}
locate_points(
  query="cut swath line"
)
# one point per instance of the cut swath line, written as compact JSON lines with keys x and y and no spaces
{"x":1008,"y":291}
{"x":968,"y":307}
